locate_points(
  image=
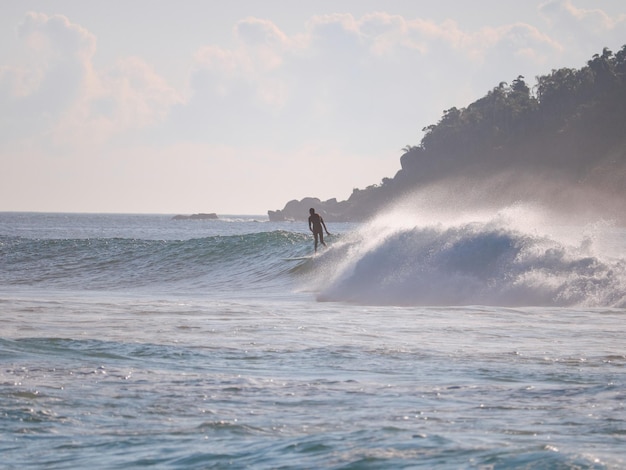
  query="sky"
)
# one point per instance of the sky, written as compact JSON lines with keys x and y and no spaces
{"x":238,"y":107}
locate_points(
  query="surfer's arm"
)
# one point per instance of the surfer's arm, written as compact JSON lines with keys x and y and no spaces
{"x":322,"y":220}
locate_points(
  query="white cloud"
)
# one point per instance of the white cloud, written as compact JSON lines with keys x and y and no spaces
{"x":65,"y":100}
{"x":246,"y":71}
{"x":130,"y":96}
{"x":583,"y":32}
{"x":257,"y":32}
{"x":57,"y":65}
{"x":321,"y":109}
{"x":17,"y":82}
{"x":565,"y":13}
{"x":57,"y":36}
{"x":375,"y":68}
{"x":273,"y":67}
{"x":143,"y":96}
{"x":321,"y":74}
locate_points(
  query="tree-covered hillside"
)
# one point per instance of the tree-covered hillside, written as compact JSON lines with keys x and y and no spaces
{"x":561,"y":142}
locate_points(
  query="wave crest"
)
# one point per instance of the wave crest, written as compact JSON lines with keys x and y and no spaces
{"x":480,"y":263}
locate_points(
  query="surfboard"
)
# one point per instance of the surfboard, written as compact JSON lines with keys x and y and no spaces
{"x":299,"y":258}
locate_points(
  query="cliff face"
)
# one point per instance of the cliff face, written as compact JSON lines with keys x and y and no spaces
{"x":563,"y":147}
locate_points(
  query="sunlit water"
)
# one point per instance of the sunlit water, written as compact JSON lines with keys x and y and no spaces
{"x":137,"y":341}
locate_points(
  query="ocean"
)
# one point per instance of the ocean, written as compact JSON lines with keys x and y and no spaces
{"x":481,"y":342}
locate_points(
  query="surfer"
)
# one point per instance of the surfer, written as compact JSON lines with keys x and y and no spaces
{"x":315,"y":225}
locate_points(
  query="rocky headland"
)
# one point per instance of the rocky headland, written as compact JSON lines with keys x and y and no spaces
{"x":561,"y":144}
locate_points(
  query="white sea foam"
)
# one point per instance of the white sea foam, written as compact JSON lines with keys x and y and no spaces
{"x":513,"y":257}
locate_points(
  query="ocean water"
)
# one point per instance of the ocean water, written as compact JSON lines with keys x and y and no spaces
{"x":482,"y":342}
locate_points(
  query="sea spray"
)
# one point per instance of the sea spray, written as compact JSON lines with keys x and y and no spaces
{"x":504,"y":260}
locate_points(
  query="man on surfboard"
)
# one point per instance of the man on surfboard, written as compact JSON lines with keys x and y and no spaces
{"x":315,"y":225}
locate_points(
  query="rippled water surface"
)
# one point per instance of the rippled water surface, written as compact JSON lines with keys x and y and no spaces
{"x":193,"y":371}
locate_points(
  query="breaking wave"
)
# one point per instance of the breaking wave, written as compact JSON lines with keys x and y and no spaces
{"x":487,"y":261}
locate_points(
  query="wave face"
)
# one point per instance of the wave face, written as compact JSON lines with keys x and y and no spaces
{"x":506,"y":259}
{"x":487,"y":262}
{"x":210,"y":263}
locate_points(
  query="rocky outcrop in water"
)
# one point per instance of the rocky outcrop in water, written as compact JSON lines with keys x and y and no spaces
{"x":201,"y":216}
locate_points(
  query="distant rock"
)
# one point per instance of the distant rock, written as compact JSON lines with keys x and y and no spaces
{"x":330,"y":210}
{"x":201,"y":216}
